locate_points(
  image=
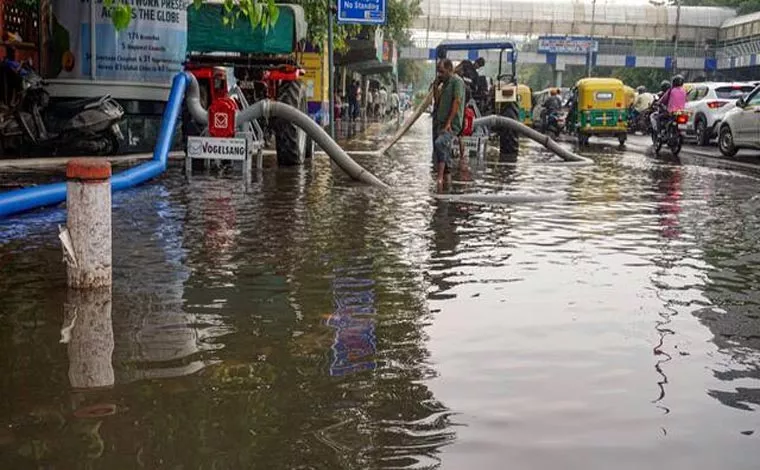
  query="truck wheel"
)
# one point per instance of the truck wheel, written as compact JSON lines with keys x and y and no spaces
{"x":508,"y":143}
{"x":290,"y":140}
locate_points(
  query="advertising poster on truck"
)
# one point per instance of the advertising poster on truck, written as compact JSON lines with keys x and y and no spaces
{"x":316,"y":79}
{"x":151,"y":49}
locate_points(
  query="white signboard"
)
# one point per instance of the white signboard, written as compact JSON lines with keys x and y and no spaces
{"x":566,"y":45}
{"x":151,"y":49}
{"x":215,"y":148}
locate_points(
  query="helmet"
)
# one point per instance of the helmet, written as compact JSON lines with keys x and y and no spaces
{"x":554,"y":92}
{"x":678,"y":80}
{"x":664,"y":86}
{"x":641,"y":89}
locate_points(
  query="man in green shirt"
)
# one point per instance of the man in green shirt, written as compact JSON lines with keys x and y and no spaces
{"x":448,"y":117}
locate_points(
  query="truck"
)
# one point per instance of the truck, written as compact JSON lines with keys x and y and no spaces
{"x":496,"y":96}
{"x":266,"y":64}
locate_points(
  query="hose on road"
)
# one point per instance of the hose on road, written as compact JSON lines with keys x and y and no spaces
{"x":501,"y":122}
{"x":268,"y":109}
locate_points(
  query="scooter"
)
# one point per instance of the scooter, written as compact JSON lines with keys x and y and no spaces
{"x":555,"y":122}
{"x":34,"y":126}
{"x":670,"y":134}
{"x":639,"y":122}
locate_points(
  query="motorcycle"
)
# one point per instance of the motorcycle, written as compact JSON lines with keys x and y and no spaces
{"x":34,"y":126}
{"x":670,"y":134}
{"x":555,"y":122}
{"x":639,"y":122}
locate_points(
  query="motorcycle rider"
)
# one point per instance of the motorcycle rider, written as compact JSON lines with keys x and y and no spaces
{"x":640,"y":107}
{"x":552,"y":105}
{"x":657,"y":111}
{"x":643,"y":100}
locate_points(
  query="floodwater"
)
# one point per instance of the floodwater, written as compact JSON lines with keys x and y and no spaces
{"x":310,"y":323}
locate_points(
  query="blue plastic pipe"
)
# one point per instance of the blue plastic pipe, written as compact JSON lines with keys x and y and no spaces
{"x":26,"y":199}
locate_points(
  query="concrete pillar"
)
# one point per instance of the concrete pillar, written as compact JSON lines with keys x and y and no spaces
{"x":559,"y":67}
{"x":88,"y":330}
{"x":88,"y":202}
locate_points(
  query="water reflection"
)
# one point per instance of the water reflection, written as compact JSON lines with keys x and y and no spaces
{"x":314,"y":323}
{"x":88,"y":333}
{"x":355,"y":343}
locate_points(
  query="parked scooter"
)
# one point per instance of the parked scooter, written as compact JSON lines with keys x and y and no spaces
{"x":670,"y":134}
{"x":34,"y":126}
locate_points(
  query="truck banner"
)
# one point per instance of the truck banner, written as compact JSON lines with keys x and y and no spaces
{"x":151,"y":49}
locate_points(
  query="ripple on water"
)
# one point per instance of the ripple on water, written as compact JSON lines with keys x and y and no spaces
{"x":309,"y":322}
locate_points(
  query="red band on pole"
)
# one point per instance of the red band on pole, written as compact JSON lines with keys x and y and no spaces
{"x":88,"y":169}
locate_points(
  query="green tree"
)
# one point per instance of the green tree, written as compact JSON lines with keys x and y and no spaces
{"x":742,"y":6}
{"x":412,"y":71}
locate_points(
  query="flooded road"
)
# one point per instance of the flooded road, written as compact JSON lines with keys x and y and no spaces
{"x":311,"y":323}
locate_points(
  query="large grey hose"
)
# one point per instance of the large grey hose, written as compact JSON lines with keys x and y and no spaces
{"x":501,"y":121}
{"x":268,"y":109}
{"x":193,"y":100}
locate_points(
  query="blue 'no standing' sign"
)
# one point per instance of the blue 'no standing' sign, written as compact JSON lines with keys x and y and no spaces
{"x":361,"y":11}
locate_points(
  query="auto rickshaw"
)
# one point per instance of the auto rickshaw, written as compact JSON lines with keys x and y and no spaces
{"x":525,"y":101}
{"x":599,"y":109}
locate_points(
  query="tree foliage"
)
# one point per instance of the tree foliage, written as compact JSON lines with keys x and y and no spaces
{"x":412,"y":72}
{"x":742,"y":6}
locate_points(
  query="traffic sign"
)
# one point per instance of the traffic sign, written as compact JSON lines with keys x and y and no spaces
{"x":362,"y":11}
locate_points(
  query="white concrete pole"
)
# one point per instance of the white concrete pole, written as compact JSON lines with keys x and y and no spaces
{"x":88,"y":202}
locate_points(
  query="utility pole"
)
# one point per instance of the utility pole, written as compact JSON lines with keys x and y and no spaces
{"x":675,"y":38}
{"x":331,"y":67}
{"x":591,"y":44}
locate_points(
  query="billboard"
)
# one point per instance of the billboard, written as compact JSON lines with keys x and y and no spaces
{"x":316,"y":79}
{"x":151,"y":49}
{"x":567,"y":45}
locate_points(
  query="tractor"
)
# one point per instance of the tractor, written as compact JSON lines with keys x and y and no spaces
{"x":501,"y":97}
{"x":265,"y":63}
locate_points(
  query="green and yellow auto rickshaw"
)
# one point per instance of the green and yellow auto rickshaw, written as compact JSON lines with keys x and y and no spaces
{"x":599,"y":109}
{"x":525,"y":101}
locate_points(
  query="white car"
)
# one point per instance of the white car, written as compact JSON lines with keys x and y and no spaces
{"x":741,"y":125}
{"x":707,"y":104}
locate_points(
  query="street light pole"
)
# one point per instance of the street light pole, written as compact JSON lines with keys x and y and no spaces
{"x":675,"y":39}
{"x":590,"y":64}
{"x":330,"y":69}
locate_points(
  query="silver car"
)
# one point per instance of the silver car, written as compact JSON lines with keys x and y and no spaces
{"x":740,"y":128}
{"x":707,"y":104}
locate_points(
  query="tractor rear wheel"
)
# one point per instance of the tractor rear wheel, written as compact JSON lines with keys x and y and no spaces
{"x":508,"y":142}
{"x":290,"y":141}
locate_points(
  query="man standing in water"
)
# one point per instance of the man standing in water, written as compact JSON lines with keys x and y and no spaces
{"x":448,"y":116}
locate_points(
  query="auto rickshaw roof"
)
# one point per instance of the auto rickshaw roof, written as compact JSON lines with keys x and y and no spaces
{"x":468,"y":45}
{"x":599,"y":81}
